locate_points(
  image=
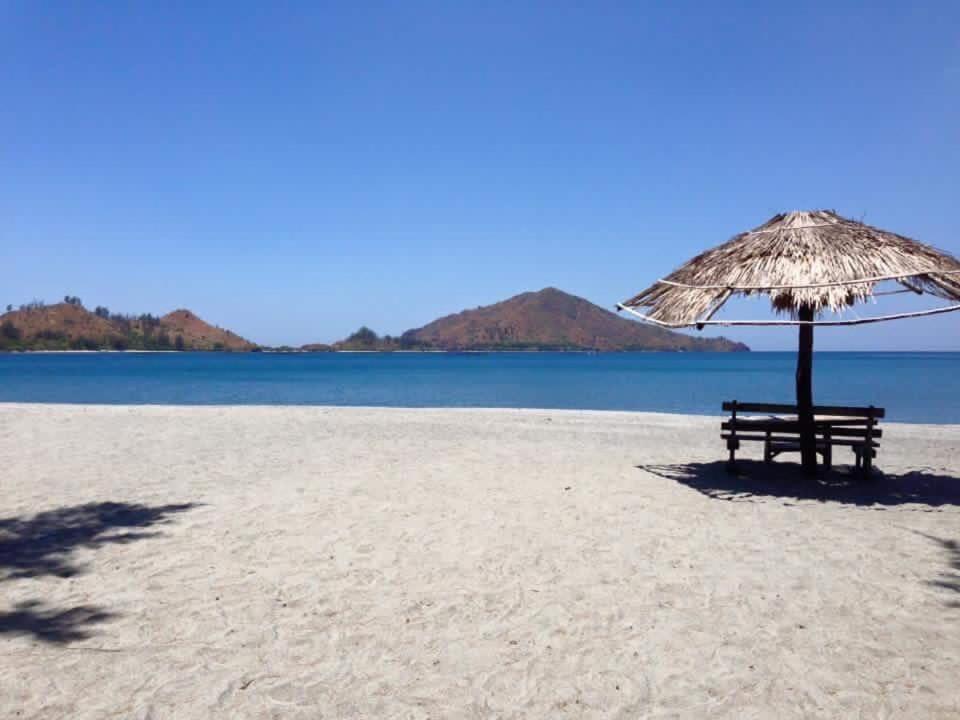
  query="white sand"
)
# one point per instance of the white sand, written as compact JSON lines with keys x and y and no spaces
{"x":376,"y":563}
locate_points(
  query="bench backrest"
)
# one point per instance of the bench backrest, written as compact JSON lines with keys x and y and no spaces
{"x":864,"y":412}
{"x":861,"y":428}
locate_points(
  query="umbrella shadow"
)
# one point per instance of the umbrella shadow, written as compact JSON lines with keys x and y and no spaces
{"x":756,"y":481}
{"x":44,"y":545}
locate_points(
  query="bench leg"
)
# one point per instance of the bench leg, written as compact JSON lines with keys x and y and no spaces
{"x":767,"y":452}
{"x":827,"y":456}
{"x":732,"y":445}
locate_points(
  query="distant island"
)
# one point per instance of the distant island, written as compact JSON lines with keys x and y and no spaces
{"x":70,"y":326}
{"x":554,"y":320}
{"x":549,"y":319}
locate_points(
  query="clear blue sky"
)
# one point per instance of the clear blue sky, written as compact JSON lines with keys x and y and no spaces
{"x":292,"y":170}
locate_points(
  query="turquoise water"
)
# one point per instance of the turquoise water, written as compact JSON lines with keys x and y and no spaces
{"x":914,"y":387}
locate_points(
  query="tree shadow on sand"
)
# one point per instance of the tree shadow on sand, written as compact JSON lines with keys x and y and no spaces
{"x":51,"y":625}
{"x":43,"y":545}
{"x":756,"y":481}
{"x":949,"y":579}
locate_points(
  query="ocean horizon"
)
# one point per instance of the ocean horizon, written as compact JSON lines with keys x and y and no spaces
{"x":914,"y":387}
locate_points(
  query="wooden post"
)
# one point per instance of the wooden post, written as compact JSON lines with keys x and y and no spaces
{"x":868,"y":444}
{"x":808,"y":438}
{"x":733,"y":442}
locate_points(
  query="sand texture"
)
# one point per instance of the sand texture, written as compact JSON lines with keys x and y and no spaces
{"x":165,"y":562}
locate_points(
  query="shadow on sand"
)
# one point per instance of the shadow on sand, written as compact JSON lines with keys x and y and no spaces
{"x":51,"y":625}
{"x":950,"y":578}
{"x":755,"y":481}
{"x":43,"y":545}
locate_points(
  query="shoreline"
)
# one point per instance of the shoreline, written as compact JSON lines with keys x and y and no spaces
{"x":637,"y":415}
{"x":490,"y":351}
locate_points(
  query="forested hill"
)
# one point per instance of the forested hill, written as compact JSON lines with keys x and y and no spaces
{"x":70,"y":326}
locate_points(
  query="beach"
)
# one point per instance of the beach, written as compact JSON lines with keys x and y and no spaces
{"x":304,"y":562}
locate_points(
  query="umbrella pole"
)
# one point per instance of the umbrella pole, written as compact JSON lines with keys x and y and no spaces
{"x":808,"y":440}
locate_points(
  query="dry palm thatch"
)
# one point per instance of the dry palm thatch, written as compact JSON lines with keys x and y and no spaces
{"x":816,"y":260}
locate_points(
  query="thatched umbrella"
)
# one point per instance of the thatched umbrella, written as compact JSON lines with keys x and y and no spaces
{"x":807,"y":262}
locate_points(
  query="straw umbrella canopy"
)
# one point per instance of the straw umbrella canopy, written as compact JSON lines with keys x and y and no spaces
{"x":807,"y":262}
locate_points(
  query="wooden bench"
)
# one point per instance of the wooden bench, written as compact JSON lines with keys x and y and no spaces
{"x":779,"y":430}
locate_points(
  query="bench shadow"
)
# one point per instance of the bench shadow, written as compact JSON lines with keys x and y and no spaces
{"x":44,"y":544}
{"x":756,"y":481}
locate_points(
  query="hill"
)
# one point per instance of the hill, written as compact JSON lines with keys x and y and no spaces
{"x":52,"y":327}
{"x":546,"y":320}
{"x":553,"y":320}
{"x":70,"y":326}
{"x":200,"y":335}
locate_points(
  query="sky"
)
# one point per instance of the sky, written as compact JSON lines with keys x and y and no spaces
{"x":292,"y":171}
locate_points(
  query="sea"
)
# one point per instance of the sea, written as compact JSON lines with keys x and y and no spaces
{"x":913,"y":387}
